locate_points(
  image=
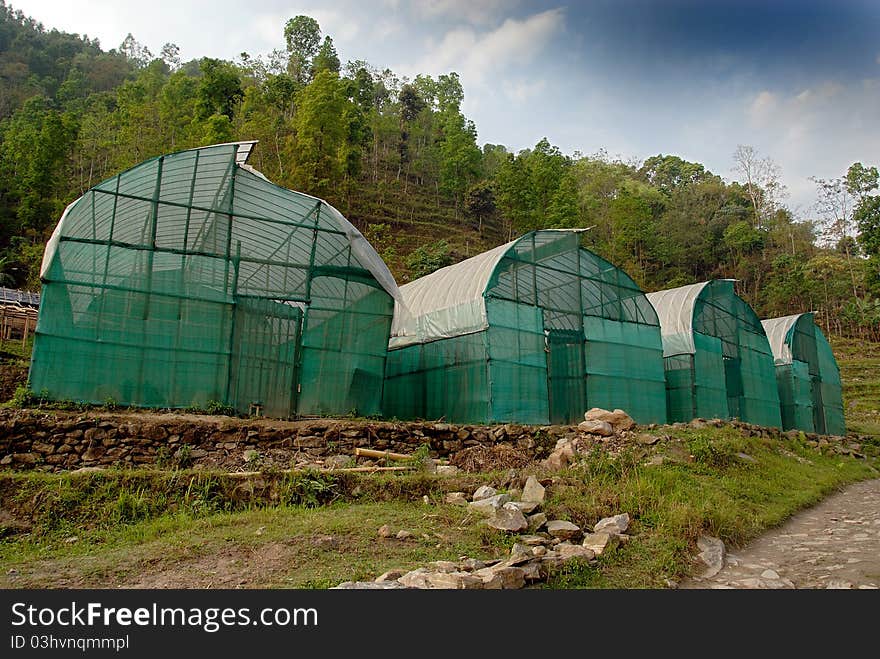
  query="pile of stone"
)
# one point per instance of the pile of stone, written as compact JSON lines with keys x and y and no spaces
{"x":545,"y":545}
{"x":599,"y":425}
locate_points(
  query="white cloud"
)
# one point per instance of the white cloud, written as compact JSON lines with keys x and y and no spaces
{"x":474,"y":12}
{"x":762,"y":108}
{"x":474,"y":55}
{"x":818,"y":131}
{"x":523,"y":90}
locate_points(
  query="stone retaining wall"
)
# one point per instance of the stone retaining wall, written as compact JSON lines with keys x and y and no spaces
{"x":56,"y":441}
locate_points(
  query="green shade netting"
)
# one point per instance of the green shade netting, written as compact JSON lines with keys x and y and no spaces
{"x":717,"y":357}
{"x":553,"y":330}
{"x":799,"y":345}
{"x":191,"y":279}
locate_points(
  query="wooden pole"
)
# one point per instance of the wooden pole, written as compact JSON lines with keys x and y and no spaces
{"x":370,"y":453}
{"x":350,"y":470}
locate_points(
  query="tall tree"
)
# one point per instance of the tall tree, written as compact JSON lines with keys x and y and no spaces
{"x":302,"y":35}
{"x":320,"y":134}
{"x":326,"y":58}
{"x":762,"y":180}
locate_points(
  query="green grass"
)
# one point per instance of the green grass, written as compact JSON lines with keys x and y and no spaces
{"x":859,"y":363}
{"x":166,"y":529}
{"x":14,"y":349}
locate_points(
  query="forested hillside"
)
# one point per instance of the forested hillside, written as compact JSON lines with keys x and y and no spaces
{"x":402,"y":162}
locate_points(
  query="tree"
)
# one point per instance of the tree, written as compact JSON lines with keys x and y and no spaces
{"x":668,"y":173}
{"x":318,"y":159}
{"x":302,"y":35}
{"x":219,"y":89}
{"x":459,"y":154}
{"x":326,"y":59}
{"x":411,"y":104}
{"x":480,"y":203}
{"x":861,"y":180}
{"x":762,"y":180}
{"x":135,"y":52}
{"x":170,"y":54}
{"x":867,"y":219}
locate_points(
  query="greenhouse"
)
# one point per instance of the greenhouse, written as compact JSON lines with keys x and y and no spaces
{"x":716,"y":355}
{"x":806,"y":374}
{"x":190,"y":280}
{"x":536,"y":331}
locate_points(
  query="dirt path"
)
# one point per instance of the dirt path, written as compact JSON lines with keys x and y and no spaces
{"x":835,"y":544}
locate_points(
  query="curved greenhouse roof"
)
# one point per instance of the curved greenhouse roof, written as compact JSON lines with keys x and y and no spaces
{"x":675,"y":309}
{"x":452,"y":301}
{"x":192,"y":278}
{"x":779,"y":332}
{"x":199,"y":191}
{"x":716,"y":354}
{"x":534,"y":331}
{"x":807,"y":375}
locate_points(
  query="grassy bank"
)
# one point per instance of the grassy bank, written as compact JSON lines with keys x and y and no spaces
{"x":186,"y":529}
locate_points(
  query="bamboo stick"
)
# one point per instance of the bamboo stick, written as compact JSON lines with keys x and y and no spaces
{"x":248,"y":474}
{"x":370,"y":453}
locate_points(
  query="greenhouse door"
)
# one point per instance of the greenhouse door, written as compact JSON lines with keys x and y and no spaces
{"x":818,"y":405}
{"x":264,"y":356}
{"x":734,"y":383}
{"x":565,"y":375}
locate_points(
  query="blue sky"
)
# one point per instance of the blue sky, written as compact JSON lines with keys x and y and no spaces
{"x":798,"y":80}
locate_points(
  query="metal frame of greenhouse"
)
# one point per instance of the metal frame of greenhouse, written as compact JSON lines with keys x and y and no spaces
{"x":807,"y":375}
{"x":191,"y":279}
{"x":535,"y":331}
{"x":716,"y":355}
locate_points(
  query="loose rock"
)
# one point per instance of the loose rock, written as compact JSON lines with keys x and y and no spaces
{"x":369,"y":585}
{"x":533,"y":540}
{"x":614,"y":525}
{"x":508,"y":518}
{"x":426,"y":579}
{"x":384,"y":531}
{"x":484,"y":492}
{"x":569,"y":551}
{"x":456,"y":498}
{"x":391,"y":575}
{"x":712,"y":554}
{"x":618,"y":419}
{"x":533,"y":491}
{"x":562,"y":529}
{"x":599,"y":542}
{"x":560,"y":458}
{"x":489,"y":505}
{"x":596,"y":427}
{"x":524,"y":507}
{"x":537,"y":521}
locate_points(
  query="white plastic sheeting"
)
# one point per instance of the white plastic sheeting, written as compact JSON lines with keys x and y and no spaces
{"x":450,"y":302}
{"x":675,"y":311}
{"x":778,"y":333}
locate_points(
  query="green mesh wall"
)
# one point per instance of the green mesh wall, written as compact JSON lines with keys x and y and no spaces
{"x":749,"y":373}
{"x":189,"y":279}
{"x":831,"y":402}
{"x":446,"y":379}
{"x":625,"y":368}
{"x":817,"y":387}
{"x":695,"y":383}
{"x":796,"y":396}
{"x":566,"y":331}
{"x":518,"y":365}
